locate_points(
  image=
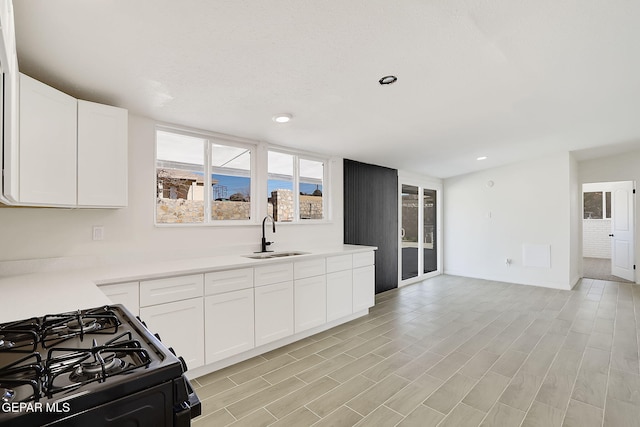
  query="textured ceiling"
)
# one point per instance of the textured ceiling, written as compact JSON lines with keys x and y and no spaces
{"x":507,"y":79}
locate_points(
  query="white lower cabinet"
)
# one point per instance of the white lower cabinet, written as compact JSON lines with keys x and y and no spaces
{"x":363,"y":288}
{"x":274,"y":312}
{"x":180,"y":325}
{"x":209,"y":318}
{"x":127,"y":294}
{"x":339,"y":294}
{"x":310,"y":302}
{"x":229,"y":324}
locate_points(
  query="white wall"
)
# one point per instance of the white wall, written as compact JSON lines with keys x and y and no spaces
{"x":529,"y":203}
{"x":130,"y":234}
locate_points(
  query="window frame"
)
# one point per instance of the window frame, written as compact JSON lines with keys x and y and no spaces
{"x":259,"y":178}
{"x":211,"y":138}
{"x":604,"y":204}
{"x":326,"y":187}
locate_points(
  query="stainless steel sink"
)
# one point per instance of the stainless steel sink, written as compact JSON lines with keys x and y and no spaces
{"x":268,"y":255}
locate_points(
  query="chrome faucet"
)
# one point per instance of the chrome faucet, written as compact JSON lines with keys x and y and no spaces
{"x":264,"y":240}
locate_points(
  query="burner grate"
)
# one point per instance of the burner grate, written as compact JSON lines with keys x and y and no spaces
{"x":59,"y":328}
{"x":21,"y":381}
{"x":70,"y":368}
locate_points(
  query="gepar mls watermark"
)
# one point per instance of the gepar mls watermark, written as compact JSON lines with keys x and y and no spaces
{"x":27,"y":407}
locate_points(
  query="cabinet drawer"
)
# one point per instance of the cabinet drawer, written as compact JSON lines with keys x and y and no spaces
{"x":311,"y":268}
{"x":339,"y":263}
{"x":227,"y":281}
{"x":161,"y":291}
{"x":275,"y":273}
{"x":127,"y":294}
{"x":363,"y":259}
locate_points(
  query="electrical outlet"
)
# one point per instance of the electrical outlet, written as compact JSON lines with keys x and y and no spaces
{"x":98,"y":232}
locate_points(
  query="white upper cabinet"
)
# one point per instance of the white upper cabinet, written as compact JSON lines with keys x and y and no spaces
{"x":102,"y":155}
{"x":71,"y":153}
{"x":9,"y":84}
{"x":48,"y":141}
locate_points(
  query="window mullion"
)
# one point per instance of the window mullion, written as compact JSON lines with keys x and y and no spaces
{"x":296,"y":189}
{"x":207,"y":182}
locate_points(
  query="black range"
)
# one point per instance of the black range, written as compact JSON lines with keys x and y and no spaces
{"x":98,"y":367}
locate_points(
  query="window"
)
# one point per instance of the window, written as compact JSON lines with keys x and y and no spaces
{"x":230,"y":182}
{"x":179,"y":178}
{"x":287,"y":172}
{"x":185,"y":194}
{"x":597,"y":203}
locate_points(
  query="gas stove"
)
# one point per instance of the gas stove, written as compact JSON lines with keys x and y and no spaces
{"x":98,"y":366}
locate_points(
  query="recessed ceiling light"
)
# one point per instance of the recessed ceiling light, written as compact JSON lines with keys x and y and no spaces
{"x":282,"y":118}
{"x":387,"y":80}
{"x":482,"y":158}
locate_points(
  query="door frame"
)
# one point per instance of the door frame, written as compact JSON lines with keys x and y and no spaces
{"x":422,"y":183}
{"x":607,"y":186}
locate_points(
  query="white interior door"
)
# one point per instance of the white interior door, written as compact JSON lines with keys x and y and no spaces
{"x":622,"y":234}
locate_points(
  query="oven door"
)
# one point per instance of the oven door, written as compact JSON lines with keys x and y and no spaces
{"x":148,"y":408}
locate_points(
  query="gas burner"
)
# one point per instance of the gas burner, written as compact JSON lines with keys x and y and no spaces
{"x":62,"y":327}
{"x":82,"y":325}
{"x":70,"y":368}
{"x":7,"y":395}
{"x":102,"y":365}
{"x":22,"y":341}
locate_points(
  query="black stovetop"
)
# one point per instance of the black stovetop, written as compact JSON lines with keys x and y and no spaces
{"x":71,"y":362}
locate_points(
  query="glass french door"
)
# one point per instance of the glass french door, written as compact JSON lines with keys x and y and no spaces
{"x":429,"y":231}
{"x":409,"y":232}
{"x":418,"y":232}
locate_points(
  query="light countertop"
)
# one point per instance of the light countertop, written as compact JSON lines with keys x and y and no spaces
{"x":39,"y":294}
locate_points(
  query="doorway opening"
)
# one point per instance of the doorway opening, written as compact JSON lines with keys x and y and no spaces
{"x":419,"y":219}
{"x":608,"y":231}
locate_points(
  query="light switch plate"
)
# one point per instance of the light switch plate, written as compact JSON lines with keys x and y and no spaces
{"x":98,"y":232}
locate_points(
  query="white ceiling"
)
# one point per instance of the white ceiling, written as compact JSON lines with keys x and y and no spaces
{"x":507,"y":79}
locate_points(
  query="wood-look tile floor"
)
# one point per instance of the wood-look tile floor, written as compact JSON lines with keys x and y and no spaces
{"x":450,"y":351}
{"x":599,"y":268}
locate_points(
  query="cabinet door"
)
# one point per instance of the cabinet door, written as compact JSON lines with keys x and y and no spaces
{"x":310,"y":296}
{"x":127,"y":294}
{"x":229,"y":324}
{"x":364,"y":283}
{"x":339,"y":294}
{"x":48,"y":142}
{"x":274,"y":312}
{"x":9,"y":107}
{"x":180,"y":326}
{"x":102,"y":155}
